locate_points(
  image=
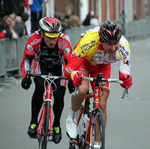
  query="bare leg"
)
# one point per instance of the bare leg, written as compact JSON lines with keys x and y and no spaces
{"x":97,"y":131}
{"x":103,"y":106}
{"x":78,"y":99}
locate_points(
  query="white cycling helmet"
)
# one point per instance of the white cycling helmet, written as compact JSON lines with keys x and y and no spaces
{"x":50,"y":26}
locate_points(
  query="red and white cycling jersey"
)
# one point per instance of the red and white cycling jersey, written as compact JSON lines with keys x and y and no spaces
{"x":32,"y":49}
{"x":89,"y":56}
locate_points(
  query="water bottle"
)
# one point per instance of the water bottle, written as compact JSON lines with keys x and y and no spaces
{"x":86,"y":120}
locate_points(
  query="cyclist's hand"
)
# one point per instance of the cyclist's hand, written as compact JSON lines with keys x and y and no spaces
{"x":127,"y":80}
{"x":26,"y":82}
{"x":76,"y":78}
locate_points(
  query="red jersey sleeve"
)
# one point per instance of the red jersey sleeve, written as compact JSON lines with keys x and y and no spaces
{"x":74,"y":63}
{"x":33,"y":44}
{"x":65,"y":46}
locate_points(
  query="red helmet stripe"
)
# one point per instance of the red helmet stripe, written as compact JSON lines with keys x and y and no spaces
{"x":51,"y":20}
{"x":114,"y":32}
{"x":107,"y":31}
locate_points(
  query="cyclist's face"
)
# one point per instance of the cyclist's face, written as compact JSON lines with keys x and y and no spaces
{"x":50,"y":42}
{"x":110,"y":47}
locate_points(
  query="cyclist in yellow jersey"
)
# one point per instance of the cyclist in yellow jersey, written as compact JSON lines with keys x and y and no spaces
{"x":93,"y":54}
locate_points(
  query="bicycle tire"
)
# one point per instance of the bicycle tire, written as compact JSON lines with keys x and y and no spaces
{"x":45,"y":128}
{"x":97,"y":113}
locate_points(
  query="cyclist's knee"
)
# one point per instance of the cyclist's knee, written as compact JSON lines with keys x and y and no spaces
{"x":83,"y":90}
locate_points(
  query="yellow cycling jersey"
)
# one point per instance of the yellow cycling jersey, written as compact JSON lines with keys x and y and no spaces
{"x":90,"y":48}
{"x":88,"y":45}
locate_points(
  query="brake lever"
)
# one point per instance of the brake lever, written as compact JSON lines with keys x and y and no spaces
{"x":125,"y":93}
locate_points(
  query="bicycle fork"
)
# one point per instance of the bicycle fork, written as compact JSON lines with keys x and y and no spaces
{"x":96,"y":106}
{"x":48,"y":100}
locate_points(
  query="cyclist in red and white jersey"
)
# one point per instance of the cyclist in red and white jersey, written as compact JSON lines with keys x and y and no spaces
{"x":47,"y":50}
{"x":93,"y":54}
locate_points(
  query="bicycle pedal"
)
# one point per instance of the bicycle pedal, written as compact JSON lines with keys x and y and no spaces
{"x":75,"y":142}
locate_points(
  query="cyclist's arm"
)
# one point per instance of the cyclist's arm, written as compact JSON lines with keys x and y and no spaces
{"x":124,"y":65}
{"x":26,"y":64}
{"x":67,"y":51}
{"x":125,"y":62}
{"x":73,"y":65}
{"x":27,"y":59}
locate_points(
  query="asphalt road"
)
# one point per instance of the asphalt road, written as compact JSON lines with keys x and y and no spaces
{"x":128,"y":125}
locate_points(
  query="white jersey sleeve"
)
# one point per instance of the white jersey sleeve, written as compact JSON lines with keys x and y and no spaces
{"x":124,"y":54}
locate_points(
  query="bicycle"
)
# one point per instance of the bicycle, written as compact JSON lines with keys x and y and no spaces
{"x":86,"y":136}
{"x":44,"y":126}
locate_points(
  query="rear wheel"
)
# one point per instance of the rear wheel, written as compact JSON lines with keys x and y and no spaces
{"x":97,"y":130}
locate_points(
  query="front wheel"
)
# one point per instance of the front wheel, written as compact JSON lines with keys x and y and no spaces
{"x":45,"y":127}
{"x":97,"y":133}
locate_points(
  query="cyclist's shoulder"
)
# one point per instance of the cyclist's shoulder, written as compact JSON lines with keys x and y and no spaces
{"x":89,"y":39}
{"x":64,"y":43}
{"x":93,"y":31}
{"x":124,"y":49}
{"x":64,"y":37}
{"x":34,"y":41}
{"x":35,"y":34}
{"x":123,"y":41}
{"x":35,"y":38}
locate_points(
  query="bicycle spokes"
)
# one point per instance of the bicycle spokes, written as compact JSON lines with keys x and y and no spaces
{"x":97,"y":135}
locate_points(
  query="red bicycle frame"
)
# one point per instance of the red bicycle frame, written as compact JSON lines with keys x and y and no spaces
{"x":48,"y":97}
{"x":96,"y":105}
